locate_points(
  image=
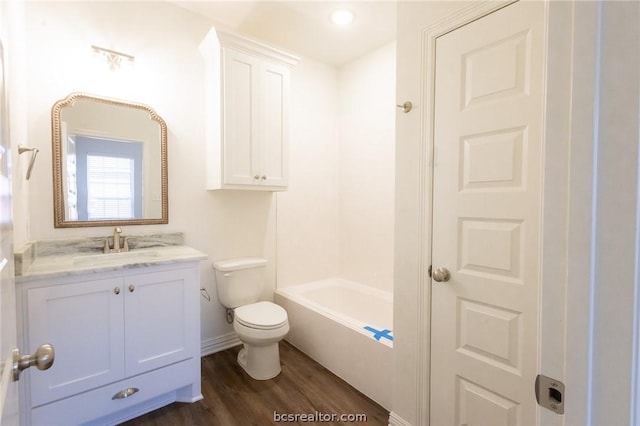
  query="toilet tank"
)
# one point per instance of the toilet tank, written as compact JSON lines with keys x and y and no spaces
{"x":240,"y":281}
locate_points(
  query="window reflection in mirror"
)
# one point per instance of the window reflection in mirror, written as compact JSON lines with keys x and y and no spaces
{"x":110,"y":163}
{"x":104,"y":179}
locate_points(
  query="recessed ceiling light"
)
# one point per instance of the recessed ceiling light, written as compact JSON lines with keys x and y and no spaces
{"x":342,"y":17}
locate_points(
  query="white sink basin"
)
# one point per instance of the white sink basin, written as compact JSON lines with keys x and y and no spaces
{"x":136,"y":256}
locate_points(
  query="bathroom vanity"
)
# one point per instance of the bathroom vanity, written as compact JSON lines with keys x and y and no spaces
{"x":125,"y":328}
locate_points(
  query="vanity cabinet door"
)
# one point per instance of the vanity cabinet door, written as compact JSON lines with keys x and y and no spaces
{"x":85,"y":324}
{"x":159,"y":318}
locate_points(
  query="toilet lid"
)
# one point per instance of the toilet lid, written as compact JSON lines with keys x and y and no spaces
{"x":262,"y":315}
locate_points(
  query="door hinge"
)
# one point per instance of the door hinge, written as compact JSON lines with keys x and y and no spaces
{"x":550,"y":393}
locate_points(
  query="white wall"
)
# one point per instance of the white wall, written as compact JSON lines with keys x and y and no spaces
{"x":307,"y":217}
{"x":336,"y":219}
{"x":13,"y":34}
{"x":616,"y":221}
{"x":367,"y":115}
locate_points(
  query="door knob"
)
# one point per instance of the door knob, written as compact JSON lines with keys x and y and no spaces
{"x":441,"y":275}
{"x":42,"y":358}
{"x":406,"y":107}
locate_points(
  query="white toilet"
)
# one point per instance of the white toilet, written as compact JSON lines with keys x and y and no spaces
{"x":259,"y":325}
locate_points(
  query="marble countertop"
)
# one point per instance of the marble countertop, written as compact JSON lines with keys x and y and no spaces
{"x":67,"y":262}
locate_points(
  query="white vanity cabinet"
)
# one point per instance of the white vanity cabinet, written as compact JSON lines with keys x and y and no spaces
{"x":248,"y":113}
{"x":126,"y":342}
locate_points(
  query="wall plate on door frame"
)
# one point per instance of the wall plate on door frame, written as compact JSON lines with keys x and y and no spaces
{"x":550,"y":393}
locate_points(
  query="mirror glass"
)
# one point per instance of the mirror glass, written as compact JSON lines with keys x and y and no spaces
{"x":109,"y":163}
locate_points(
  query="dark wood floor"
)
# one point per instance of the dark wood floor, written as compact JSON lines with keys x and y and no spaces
{"x":233,"y":398}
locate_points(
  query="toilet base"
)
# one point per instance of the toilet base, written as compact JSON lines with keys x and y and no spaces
{"x":260,"y":362}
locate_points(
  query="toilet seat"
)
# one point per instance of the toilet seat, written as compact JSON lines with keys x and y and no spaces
{"x":261,"y":315}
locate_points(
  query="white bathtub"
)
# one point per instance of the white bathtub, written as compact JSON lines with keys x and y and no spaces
{"x":346,"y":327}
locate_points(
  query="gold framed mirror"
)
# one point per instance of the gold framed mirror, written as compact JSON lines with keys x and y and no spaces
{"x":109,"y":163}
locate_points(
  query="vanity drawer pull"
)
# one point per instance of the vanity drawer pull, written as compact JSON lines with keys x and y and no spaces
{"x":131,"y":288}
{"x":125,"y":393}
{"x":116,"y":290}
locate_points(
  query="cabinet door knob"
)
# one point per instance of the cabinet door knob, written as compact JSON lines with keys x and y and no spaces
{"x":131,"y":288}
{"x":256,"y":177}
{"x":264,"y":177}
{"x":116,"y":290}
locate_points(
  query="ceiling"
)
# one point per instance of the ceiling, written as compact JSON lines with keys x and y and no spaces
{"x":303,"y":27}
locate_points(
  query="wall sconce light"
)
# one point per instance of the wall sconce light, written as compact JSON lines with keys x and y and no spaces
{"x":114,"y":59}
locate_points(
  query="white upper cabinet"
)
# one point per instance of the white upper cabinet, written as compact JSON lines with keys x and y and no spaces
{"x":247,"y":93}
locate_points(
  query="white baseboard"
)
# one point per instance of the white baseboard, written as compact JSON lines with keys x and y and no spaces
{"x":396,"y":420}
{"x":220,"y":343}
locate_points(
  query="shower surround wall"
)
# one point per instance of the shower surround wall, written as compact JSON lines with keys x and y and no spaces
{"x":367,"y":168}
{"x":337,"y":218}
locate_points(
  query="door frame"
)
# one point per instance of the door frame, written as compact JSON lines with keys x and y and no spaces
{"x":528,"y":224}
{"x":577,"y":344}
{"x":562,"y":202}
{"x":11,"y":28}
{"x":430,"y":34}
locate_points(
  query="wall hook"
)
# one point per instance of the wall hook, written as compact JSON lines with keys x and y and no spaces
{"x":34,"y":154}
{"x":406,"y":107}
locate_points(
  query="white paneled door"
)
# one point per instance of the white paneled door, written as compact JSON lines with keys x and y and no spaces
{"x":8,"y":336}
{"x":486,"y":219}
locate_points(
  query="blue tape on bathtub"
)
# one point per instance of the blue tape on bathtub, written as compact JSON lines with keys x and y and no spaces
{"x":379,"y":334}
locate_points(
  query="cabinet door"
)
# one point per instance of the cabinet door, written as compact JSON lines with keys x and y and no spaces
{"x":160,"y":313}
{"x":273,"y":123}
{"x":84,"y":323}
{"x":241,"y":109}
